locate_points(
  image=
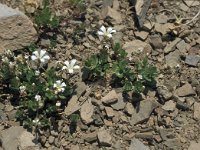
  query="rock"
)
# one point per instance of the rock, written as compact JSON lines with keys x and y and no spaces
{"x":145,"y":135}
{"x":2,"y":106}
{"x":163,"y":28}
{"x":169,"y":105}
{"x":72,"y":106}
{"x":90,"y":137}
{"x":74,"y":147}
{"x":45,"y":42}
{"x":156,"y":41}
{"x":110,"y":98}
{"x":148,"y":26}
{"x":161,"y":18}
{"x":112,"y":13}
{"x":141,"y":35}
{"x":17,"y":137}
{"x":164,"y":92}
{"x":120,"y":104}
{"x":8,"y":108}
{"x":109,"y":112}
{"x":183,"y":7}
{"x":3,"y":116}
{"x":171,"y":46}
{"x":16,"y":29}
{"x":182,"y":46}
{"x":137,"y":145}
{"x":161,"y":112}
{"x":191,"y":3}
{"x":80,"y":88}
{"x":173,"y":59}
{"x":51,"y":139}
{"x":135,"y":47}
{"x":129,"y":108}
{"x":181,"y":105}
{"x":107,"y":3}
{"x":143,"y":111}
{"x":185,"y":90}
{"x":97,"y":120}
{"x":194,"y":145}
{"x":197,"y":111}
{"x":173,"y":143}
{"x":104,"y":138}
{"x":86,"y":112}
{"x":192,"y":60}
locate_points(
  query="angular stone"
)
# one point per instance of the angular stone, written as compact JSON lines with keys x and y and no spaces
{"x":143,"y":111}
{"x":192,"y":60}
{"x":145,"y":135}
{"x":110,"y":98}
{"x":191,"y":3}
{"x":72,"y":106}
{"x":90,"y":137}
{"x":129,"y":109}
{"x":81,"y":88}
{"x":161,"y":18}
{"x":173,"y":59}
{"x":16,"y":29}
{"x":169,"y":105}
{"x":164,"y":92}
{"x":197,"y":111}
{"x":112,"y":13}
{"x":156,"y":42}
{"x":141,"y":35}
{"x":163,"y":28}
{"x":194,"y":145}
{"x":120,"y":104}
{"x":86,"y":112}
{"x":104,"y":138}
{"x":185,"y":90}
{"x":137,"y":145}
{"x":171,"y":46}
{"x":182,"y":46}
{"x":17,"y":137}
{"x":109,"y":112}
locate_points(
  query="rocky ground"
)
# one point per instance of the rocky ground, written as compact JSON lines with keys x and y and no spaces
{"x":166,"y":118}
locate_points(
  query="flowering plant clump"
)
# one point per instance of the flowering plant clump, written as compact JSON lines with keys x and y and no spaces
{"x":41,"y":92}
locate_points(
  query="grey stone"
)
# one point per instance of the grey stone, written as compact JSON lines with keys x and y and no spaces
{"x":109,"y":112}
{"x":145,"y":135}
{"x":182,"y":46}
{"x":120,"y":104}
{"x":98,"y":120}
{"x":183,"y":7}
{"x":194,"y":145}
{"x":12,"y":114}
{"x":142,"y":35}
{"x":45,"y":42}
{"x":107,"y":3}
{"x":17,"y":137}
{"x":80,"y":89}
{"x":161,"y":18}
{"x":197,"y":111}
{"x":16,"y":29}
{"x":90,"y":137}
{"x":86,"y":112}
{"x":169,"y":105}
{"x":143,"y":111}
{"x":190,"y":3}
{"x":72,"y":106}
{"x":164,"y":92}
{"x":192,"y":60}
{"x":173,"y":143}
{"x":104,"y":138}
{"x":156,"y":41}
{"x":171,"y":46}
{"x":3,"y":116}
{"x":2,"y":106}
{"x":110,"y":98}
{"x":137,"y":145}
{"x":51,"y":139}
{"x":129,"y":109}
{"x":185,"y":90}
{"x":173,"y":59}
{"x":181,"y":105}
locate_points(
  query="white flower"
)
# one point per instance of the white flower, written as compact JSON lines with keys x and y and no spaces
{"x":36,"y":121}
{"x":38,"y":98}
{"x":5,"y":59}
{"x":40,"y":55}
{"x":70,"y":66}
{"x":59,"y":86}
{"x":22,"y":89}
{"x":140,"y":77}
{"x":104,"y":32}
{"x":58,"y":103}
{"x":37,"y":72}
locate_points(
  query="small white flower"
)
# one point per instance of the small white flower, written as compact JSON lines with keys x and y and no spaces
{"x":58,"y":103}
{"x":140,"y":77}
{"x":104,"y":32}
{"x":37,"y":72}
{"x":38,"y":98}
{"x":22,"y":89}
{"x":70,"y":66}
{"x":59,"y":86}
{"x":36,"y":121}
{"x":5,"y":59}
{"x":40,"y":55}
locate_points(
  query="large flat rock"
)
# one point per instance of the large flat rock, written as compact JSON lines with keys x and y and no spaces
{"x":16,"y":29}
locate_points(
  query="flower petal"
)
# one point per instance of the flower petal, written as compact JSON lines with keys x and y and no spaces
{"x":42,"y":53}
{"x":46,"y":57}
{"x":72,"y":63}
{"x":76,"y":67}
{"x":71,"y":70}
{"x":36,"y":53}
{"x":66,"y":63}
{"x":100,"y":33}
{"x":110,"y":30}
{"x":109,"y":35}
{"x":63,"y":84}
{"x":33,"y":57}
{"x":64,"y":67}
{"x":103,"y":29}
